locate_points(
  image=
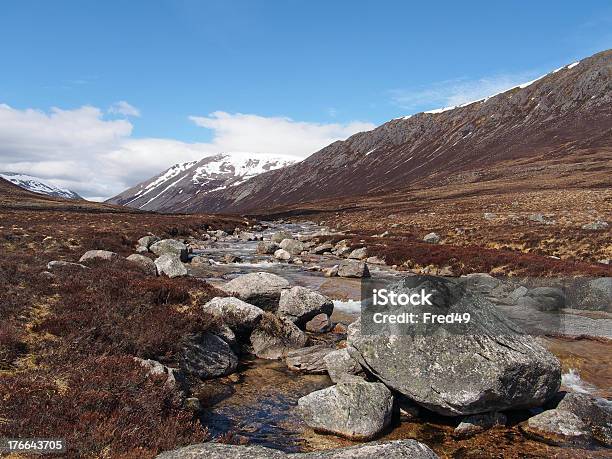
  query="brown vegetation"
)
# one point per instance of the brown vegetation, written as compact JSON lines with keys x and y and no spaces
{"x":68,"y":339}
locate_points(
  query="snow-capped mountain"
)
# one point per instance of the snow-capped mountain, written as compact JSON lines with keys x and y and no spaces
{"x":193,"y":180}
{"x":38,"y":185}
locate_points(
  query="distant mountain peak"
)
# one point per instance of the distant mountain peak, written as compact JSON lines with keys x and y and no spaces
{"x":185,"y":182}
{"x":38,"y":185}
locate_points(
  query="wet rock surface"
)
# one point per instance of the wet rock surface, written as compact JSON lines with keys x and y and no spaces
{"x":207,"y":356}
{"x":274,"y":337}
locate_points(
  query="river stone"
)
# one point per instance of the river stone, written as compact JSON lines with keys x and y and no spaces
{"x":147,"y":241}
{"x":292,"y":246}
{"x":237,"y":314}
{"x":359,"y":254}
{"x":267,"y":247}
{"x":557,"y":427}
{"x":319,"y":324}
{"x":145,"y":263}
{"x":279,"y":236}
{"x":353,"y":269}
{"x":320,"y":249}
{"x":261,"y":289}
{"x":355,"y":410}
{"x":171,"y":266}
{"x":331,"y":272}
{"x":98,"y":255}
{"x":154,"y":368}
{"x":484,"y":366}
{"x":308,"y":359}
{"x":476,"y":423}
{"x":274,"y":337}
{"x":282,"y":254}
{"x":170,"y":247}
{"x":395,"y":449}
{"x":207,"y":356}
{"x":222,"y":451}
{"x":595,"y":412}
{"x":341,"y":367}
{"x":300,"y":304}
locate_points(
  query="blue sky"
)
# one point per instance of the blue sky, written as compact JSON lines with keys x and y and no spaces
{"x":347,"y":64}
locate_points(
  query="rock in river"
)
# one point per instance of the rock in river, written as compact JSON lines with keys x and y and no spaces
{"x":397,"y":449}
{"x":274,"y":337}
{"x":261,"y":289}
{"x":341,"y":367}
{"x":353,"y":269}
{"x":309,"y":360}
{"x":488,"y":366}
{"x":356,"y":410}
{"x":292,"y":246}
{"x":300,"y":304}
{"x":278,"y":237}
{"x":267,"y":247}
{"x":557,"y":427}
{"x":207,"y":356}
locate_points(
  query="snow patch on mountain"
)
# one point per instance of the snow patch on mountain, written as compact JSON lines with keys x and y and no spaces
{"x":197,"y":178}
{"x":38,"y":185}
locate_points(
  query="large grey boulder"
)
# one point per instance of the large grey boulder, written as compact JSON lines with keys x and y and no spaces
{"x":557,"y":427}
{"x":279,"y":236}
{"x":274,"y":337}
{"x":320,"y":249}
{"x":397,"y":449}
{"x":267,"y":247}
{"x":98,"y":255}
{"x":292,"y":246}
{"x":353,"y":269}
{"x":482,"y":366}
{"x":145,"y":263}
{"x":237,"y":314}
{"x":356,"y":410}
{"x":432,"y":238}
{"x":207,"y":356}
{"x":341,"y":367}
{"x":171,"y":266}
{"x":300,"y":304}
{"x":261,"y":289}
{"x":170,"y":247}
{"x":308,"y":360}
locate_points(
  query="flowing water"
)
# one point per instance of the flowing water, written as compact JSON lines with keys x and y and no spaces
{"x":258,"y":403}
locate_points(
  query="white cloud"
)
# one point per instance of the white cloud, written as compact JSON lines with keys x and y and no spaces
{"x":97,"y":157}
{"x":123,"y":108}
{"x":278,"y":135}
{"x":450,"y":93}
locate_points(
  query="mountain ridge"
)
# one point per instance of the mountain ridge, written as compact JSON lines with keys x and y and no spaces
{"x":38,"y":185}
{"x":559,"y":114}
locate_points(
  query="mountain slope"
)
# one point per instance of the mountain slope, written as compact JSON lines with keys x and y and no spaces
{"x":38,"y":185}
{"x":558,"y":115}
{"x":191,"y":182}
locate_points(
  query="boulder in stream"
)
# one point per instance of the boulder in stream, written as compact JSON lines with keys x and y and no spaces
{"x":207,"y":356}
{"x":274,"y":337}
{"x":145,"y":263}
{"x":267,"y":247}
{"x":353,"y":269}
{"x":300,"y":304}
{"x":355,"y":410}
{"x":309,"y":360}
{"x":280,"y":235}
{"x":170,"y":247}
{"x":482,"y":366}
{"x":237,"y":314}
{"x":171,"y":266}
{"x":261,"y":289}
{"x":292,"y":246}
